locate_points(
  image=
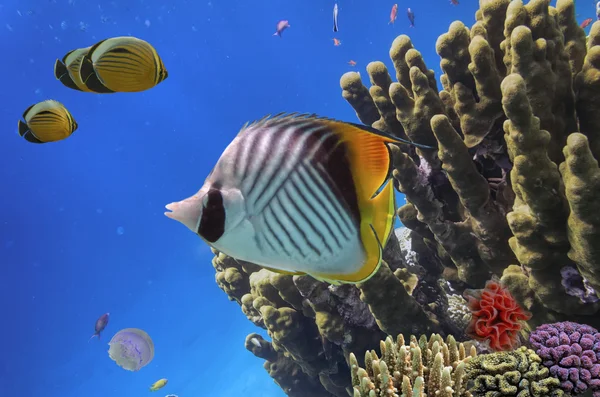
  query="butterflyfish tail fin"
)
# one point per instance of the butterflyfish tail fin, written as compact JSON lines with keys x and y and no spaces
{"x":89,"y":77}
{"x":62,"y":74}
{"x":25,"y":132}
{"x":23,"y":128}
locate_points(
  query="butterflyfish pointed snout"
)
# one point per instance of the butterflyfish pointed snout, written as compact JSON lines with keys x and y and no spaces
{"x":186,"y":211}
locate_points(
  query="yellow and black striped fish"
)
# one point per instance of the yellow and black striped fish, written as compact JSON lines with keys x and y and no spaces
{"x":67,"y":70}
{"x":122,"y":64}
{"x":299,"y":194}
{"x":47,"y":121}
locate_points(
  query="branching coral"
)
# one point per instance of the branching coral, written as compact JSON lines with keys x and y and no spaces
{"x":425,"y":367}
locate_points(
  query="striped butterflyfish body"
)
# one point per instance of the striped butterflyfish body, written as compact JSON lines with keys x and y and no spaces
{"x":67,"y":69}
{"x":122,"y":64}
{"x":299,"y":194}
{"x":47,"y":121}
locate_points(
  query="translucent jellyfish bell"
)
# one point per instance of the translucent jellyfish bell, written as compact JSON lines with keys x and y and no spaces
{"x":131,"y":349}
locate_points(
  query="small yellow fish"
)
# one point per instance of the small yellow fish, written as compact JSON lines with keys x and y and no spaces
{"x":299,"y":194}
{"x":67,"y":70}
{"x":122,"y":64}
{"x":47,"y":121}
{"x":159,"y":384}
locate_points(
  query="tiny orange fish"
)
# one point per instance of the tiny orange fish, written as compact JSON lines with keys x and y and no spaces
{"x":393,"y":14}
{"x":586,"y":23}
{"x":351,"y":63}
{"x":336,"y":42}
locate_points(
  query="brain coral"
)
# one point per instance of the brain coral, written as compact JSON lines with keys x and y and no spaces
{"x":572,"y":353}
{"x":515,"y":373}
{"x":496,"y":316}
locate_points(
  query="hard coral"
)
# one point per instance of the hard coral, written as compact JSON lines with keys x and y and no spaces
{"x":497,"y":317}
{"x":516,"y":373}
{"x":572,"y":353}
{"x":425,"y":367}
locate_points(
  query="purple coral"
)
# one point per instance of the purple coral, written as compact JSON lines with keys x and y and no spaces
{"x":576,"y":285}
{"x":572,"y":353}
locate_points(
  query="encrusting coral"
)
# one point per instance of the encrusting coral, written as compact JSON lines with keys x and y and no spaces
{"x":511,"y":192}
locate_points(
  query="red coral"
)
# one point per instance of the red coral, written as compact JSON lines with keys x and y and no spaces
{"x":496,"y":316}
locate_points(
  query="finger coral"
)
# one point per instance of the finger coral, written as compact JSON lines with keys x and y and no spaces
{"x":571,"y":351}
{"x":424,"y":367}
{"x":514,"y":373}
{"x":496,"y":316}
{"x":501,"y":191}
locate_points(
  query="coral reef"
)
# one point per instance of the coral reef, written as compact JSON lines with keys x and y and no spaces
{"x":510,"y":192}
{"x":571,"y":352}
{"x":514,"y":373}
{"x":512,"y":180}
{"x":496,"y":316}
{"x":422,"y":368}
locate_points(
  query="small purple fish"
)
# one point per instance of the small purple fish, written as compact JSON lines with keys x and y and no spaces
{"x":101,"y":323}
{"x":281,"y":26}
{"x":411,"y":17}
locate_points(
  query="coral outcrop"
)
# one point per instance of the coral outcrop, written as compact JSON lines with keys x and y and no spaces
{"x":501,"y":191}
{"x":511,"y":191}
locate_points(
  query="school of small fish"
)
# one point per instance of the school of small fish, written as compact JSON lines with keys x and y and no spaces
{"x":294,"y":193}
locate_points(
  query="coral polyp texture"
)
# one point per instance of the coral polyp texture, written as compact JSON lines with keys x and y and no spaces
{"x":511,"y":192}
{"x":423,"y":367}
{"x":496,"y":316}
{"x":514,"y":373}
{"x":571,"y":352}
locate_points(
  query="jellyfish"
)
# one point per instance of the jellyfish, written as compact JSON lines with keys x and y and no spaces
{"x":131,"y":349}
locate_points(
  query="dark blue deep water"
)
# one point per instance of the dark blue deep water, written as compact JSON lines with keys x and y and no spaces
{"x":82,"y":230}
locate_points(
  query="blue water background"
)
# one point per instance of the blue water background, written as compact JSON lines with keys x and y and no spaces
{"x":82,"y":230}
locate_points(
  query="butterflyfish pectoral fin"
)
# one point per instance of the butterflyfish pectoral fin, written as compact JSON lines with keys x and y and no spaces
{"x":287,"y":273}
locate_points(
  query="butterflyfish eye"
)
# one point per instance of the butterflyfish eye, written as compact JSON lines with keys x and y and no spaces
{"x":212,"y":222}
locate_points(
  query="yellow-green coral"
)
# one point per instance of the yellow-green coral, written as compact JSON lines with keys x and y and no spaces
{"x":582,"y":179}
{"x":521,"y":69}
{"x":515,"y":373}
{"x":424,"y":367}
